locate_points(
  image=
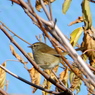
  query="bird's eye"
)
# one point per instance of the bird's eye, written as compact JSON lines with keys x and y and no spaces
{"x":34,"y":45}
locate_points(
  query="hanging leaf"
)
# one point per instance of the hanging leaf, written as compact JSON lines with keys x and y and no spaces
{"x":89,"y":44}
{"x":66,"y":6}
{"x":75,"y":81}
{"x":39,"y":6}
{"x":64,"y":77}
{"x":80,"y":19}
{"x":86,"y":14}
{"x":84,"y":57}
{"x":2,"y":76}
{"x":75,"y":35}
{"x":46,"y":84}
{"x":17,"y":55}
{"x":35,"y":77}
{"x":31,"y":55}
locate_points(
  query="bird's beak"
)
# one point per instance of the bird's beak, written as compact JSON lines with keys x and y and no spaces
{"x":30,"y":46}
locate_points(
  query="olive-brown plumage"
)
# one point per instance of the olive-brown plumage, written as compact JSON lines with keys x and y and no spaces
{"x":45,"y":56}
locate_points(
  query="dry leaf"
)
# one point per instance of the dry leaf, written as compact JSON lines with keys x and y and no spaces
{"x":31,"y":55}
{"x":80,"y":19}
{"x":39,"y":6}
{"x":89,"y":43}
{"x":75,"y":81}
{"x":90,"y":89}
{"x":64,"y":77}
{"x":46,"y":84}
{"x":86,"y":14}
{"x":2,"y":76}
{"x":16,"y":55}
{"x":55,"y":69}
{"x":35,"y":77}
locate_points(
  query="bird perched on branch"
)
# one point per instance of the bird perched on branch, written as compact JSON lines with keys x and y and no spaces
{"x":45,"y":56}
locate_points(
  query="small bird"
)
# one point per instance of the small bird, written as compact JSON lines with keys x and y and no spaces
{"x":45,"y":56}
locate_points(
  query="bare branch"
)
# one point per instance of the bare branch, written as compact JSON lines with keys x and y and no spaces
{"x":23,"y":80}
{"x":2,"y":92}
{"x":14,"y":33}
{"x":50,"y":10}
{"x":32,"y":62}
{"x":45,"y":10}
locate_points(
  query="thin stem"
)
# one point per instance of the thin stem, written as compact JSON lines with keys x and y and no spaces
{"x":31,"y":61}
{"x":23,"y":80}
{"x":88,"y":50}
{"x":2,"y":92}
{"x":14,"y":33}
{"x":58,"y":79}
{"x":45,"y":10}
{"x":50,"y":10}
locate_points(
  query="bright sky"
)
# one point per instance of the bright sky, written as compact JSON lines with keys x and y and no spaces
{"x":15,"y":19}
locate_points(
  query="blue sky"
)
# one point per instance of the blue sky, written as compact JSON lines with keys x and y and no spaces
{"x":15,"y":19}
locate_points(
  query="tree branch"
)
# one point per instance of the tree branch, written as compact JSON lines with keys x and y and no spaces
{"x":32,"y":62}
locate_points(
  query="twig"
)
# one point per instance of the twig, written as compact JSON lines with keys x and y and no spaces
{"x":58,"y":78}
{"x":31,"y":61}
{"x":2,"y":92}
{"x":64,"y":42}
{"x":77,"y":59}
{"x":88,"y":50}
{"x":50,"y":10}
{"x":23,"y":80}
{"x":14,"y":33}
{"x":45,"y":10}
{"x":39,"y":38}
{"x":92,"y":1}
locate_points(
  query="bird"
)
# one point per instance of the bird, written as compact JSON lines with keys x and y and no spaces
{"x":45,"y":56}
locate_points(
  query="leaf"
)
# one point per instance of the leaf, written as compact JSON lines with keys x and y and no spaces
{"x":39,"y":6}
{"x":64,"y":77}
{"x":16,"y":55}
{"x":84,"y":57}
{"x":66,"y":6}
{"x":75,"y":35}
{"x":75,"y":81}
{"x":2,"y":76}
{"x":35,"y":77}
{"x":46,"y":84}
{"x":31,"y":55}
{"x":89,"y":44}
{"x":86,"y":14}
{"x":80,"y":19}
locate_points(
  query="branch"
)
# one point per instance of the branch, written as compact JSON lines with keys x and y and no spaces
{"x":77,"y":59}
{"x":59,"y":36}
{"x":25,"y":81}
{"x":32,"y":62}
{"x":2,"y":92}
{"x":14,"y":33}
{"x":45,"y":10}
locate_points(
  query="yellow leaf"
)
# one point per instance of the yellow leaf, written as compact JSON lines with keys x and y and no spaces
{"x":31,"y":55}
{"x":64,"y":77}
{"x":86,"y":14}
{"x":46,"y":84}
{"x":74,"y":36}
{"x":74,"y":80}
{"x":39,"y":6}
{"x":16,"y":55}
{"x":2,"y":76}
{"x":35,"y":77}
{"x":66,"y":6}
{"x":80,"y":19}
